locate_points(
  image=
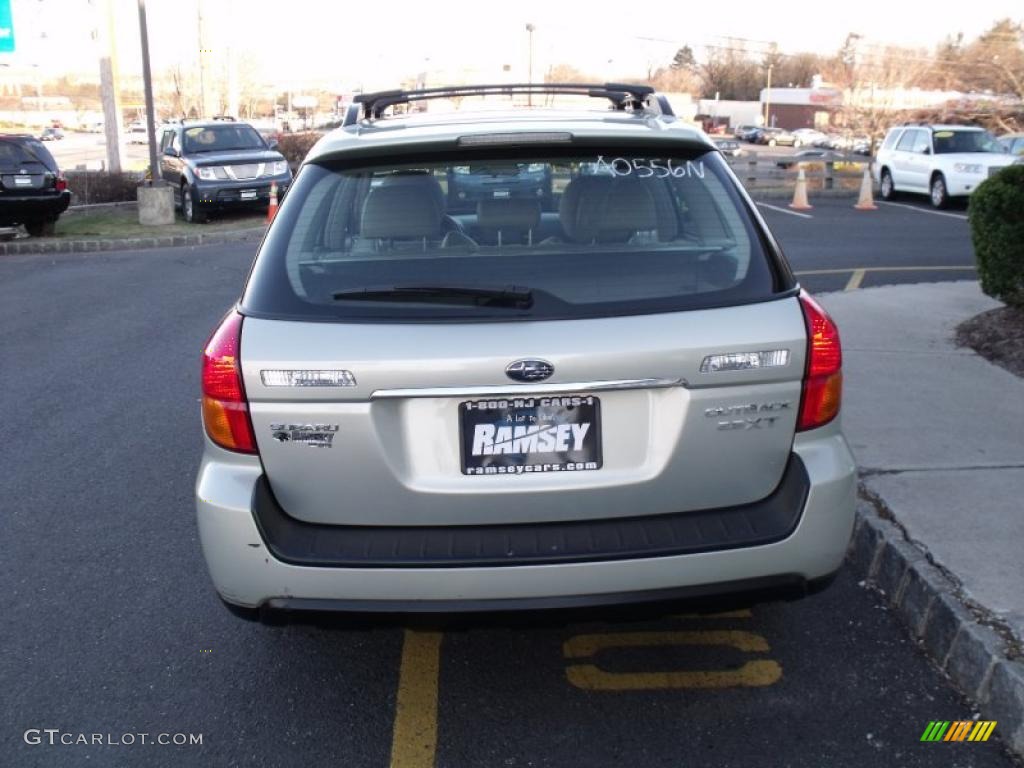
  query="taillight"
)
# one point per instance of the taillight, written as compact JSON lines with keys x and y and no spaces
{"x":61,"y":183}
{"x":225,"y":409}
{"x":823,"y":379}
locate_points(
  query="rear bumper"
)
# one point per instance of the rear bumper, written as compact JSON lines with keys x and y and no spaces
{"x":16,"y":209}
{"x":246,"y":572}
{"x":549,"y":543}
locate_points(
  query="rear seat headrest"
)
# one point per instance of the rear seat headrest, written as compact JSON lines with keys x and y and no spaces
{"x":400,"y":212}
{"x":610,"y":209}
{"x":509,"y":215}
{"x":421,"y":181}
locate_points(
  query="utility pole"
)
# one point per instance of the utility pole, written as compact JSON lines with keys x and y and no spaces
{"x":147,"y":82}
{"x":529,"y":79}
{"x":231,"y":61}
{"x":109,"y":94}
{"x":156,"y":199}
{"x":768,"y":99}
{"x":203,"y":53}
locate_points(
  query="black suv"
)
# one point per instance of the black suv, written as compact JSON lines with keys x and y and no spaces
{"x":33,"y":191}
{"x":220,"y":164}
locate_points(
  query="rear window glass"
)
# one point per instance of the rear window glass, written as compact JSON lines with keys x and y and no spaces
{"x":21,"y":151}
{"x":890,"y":139}
{"x":949,"y":142}
{"x":569,"y":236}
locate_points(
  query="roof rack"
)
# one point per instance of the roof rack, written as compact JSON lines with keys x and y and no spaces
{"x":621,"y":95}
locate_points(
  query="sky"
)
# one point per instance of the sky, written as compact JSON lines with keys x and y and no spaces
{"x":377,"y":43}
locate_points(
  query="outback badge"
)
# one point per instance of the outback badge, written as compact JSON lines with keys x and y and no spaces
{"x":315,"y":435}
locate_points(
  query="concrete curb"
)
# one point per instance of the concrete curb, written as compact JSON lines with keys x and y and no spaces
{"x":93,"y":245}
{"x":976,"y":652}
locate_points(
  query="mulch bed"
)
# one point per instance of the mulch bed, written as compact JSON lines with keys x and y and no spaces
{"x":996,"y":335}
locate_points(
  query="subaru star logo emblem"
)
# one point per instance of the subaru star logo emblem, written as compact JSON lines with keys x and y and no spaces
{"x":529,"y":370}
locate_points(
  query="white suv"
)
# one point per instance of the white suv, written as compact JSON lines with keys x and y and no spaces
{"x":941,"y":161}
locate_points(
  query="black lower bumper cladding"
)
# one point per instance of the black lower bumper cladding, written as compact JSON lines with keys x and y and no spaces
{"x":444,"y":546}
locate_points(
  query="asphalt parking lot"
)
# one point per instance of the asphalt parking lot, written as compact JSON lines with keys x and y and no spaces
{"x":111,"y":625}
{"x":833,"y":247}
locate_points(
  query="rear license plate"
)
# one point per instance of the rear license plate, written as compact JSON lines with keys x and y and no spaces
{"x":501,"y":194}
{"x":247,"y":194}
{"x":526,"y":435}
{"x":23,"y":181}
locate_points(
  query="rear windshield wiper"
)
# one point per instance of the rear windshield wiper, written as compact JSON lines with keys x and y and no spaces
{"x":512,"y":296}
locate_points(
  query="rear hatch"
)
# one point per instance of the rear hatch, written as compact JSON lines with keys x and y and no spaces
{"x":626,"y":348}
{"x":26,"y":167}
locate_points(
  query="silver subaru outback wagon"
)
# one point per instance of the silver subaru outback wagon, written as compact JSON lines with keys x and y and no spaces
{"x":524,"y":359}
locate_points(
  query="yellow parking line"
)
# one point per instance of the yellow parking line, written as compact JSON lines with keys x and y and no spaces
{"x":753,"y":674}
{"x":855,"y":280}
{"x":581,"y":646}
{"x":414,"y":742}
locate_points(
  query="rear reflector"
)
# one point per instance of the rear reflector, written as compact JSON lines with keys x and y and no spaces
{"x":287,"y":378}
{"x":225,"y":409}
{"x":745,"y":361}
{"x":823,"y":380}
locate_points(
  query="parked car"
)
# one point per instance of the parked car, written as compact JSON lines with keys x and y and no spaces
{"x":808,"y":156}
{"x":774,"y":136}
{"x":616,"y":395}
{"x":51,"y":134}
{"x":746,"y":132}
{"x":729,"y":147}
{"x":1013,"y":143}
{"x":33,"y":191}
{"x":941,"y":161}
{"x":805,"y":137}
{"x":137,"y":134}
{"x":469,"y":184}
{"x":220,"y":164}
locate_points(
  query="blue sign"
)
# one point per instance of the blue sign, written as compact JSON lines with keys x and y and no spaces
{"x":6,"y":27}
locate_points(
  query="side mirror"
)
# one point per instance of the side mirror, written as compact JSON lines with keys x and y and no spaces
{"x":172,"y":152}
{"x":272,"y":143}
{"x":926,"y":151}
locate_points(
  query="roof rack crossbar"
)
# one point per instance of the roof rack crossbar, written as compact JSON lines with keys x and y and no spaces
{"x":621,"y":95}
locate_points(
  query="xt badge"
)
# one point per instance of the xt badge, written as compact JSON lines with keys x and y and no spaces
{"x":748,"y":416}
{"x":315,"y":435}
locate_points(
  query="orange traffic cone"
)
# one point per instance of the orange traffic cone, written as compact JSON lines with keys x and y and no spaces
{"x":800,"y":193}
{"x":272,"y":208}
{"x":866,"y":202}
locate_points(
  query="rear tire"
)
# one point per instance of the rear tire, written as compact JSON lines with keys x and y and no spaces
{"x":41,"y":227}
{"x":887,"y":188}
{"x":938,"y":193}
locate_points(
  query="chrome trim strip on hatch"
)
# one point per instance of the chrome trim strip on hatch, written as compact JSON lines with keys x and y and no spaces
{"x":547,"y":388}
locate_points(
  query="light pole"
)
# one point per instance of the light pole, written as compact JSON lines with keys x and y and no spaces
{"x":147,"y":83}
{"x":529,"y":77}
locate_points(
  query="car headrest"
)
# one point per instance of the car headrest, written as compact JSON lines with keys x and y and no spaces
{"x":400,"y":212}
{"x":510,"y":215}
{"x":607,"y":209}
{"x":421,"y":181}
